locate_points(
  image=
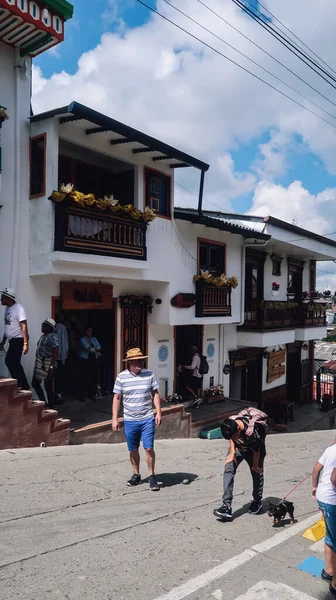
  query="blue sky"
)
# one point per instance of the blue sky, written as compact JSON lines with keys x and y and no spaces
{"x":84,"y":32}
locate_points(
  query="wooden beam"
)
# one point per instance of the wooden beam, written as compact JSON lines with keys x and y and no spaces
{"x":68,"y":119}
{"x":120,"y":141}
{"x":95,"y":130}
{"x":142,"y":150}
{"x":156,"y":158}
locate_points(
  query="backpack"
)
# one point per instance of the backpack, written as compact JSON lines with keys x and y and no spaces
{"x":204,"y":366}
{"x":253,"y":415}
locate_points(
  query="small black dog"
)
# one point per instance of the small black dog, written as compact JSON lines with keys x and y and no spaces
{"x":279,"y":511}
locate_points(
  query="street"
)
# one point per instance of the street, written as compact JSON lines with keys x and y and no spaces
{"x":71,"y":529}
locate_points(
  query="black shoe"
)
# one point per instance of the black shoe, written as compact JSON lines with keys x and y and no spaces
{"x":153,"y":484}
{"x":135,"y":480}
{"x":255,"y":507}
{"x":224,"y":512}
{"x":325,"y":576}
{"x":332,"y":590}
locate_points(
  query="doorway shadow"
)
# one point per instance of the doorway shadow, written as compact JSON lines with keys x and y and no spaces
{"x":170,"y":479}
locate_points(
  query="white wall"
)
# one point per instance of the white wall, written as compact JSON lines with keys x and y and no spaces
{"x":282,"y":279}
{"x":211,"y":351}
{"x":161,"y":358}
{"x":230,"y":344}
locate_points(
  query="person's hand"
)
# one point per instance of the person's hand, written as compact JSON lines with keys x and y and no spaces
{"x":158,"y":420}
{"x":25,"y":348}
{"x":314,"y":492}
{"x":257,"y":469}
{"x":230,"y":458}
{"x":1,"y":346}
{"x":51,"y":371}
{"x":98,"y":353}
{"x":115,"y":424}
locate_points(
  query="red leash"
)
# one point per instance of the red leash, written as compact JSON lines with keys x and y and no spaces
{"x":297,"y":485}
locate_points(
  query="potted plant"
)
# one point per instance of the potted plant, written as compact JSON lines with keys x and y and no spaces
{"x":275,"y":288}
{"x":305,"y":297}
{"x":213,"y":394}
{"x":290,"y":293}
{"x":327,"y":293}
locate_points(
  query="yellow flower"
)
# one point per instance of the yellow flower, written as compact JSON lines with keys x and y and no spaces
{"x":66,"y":188}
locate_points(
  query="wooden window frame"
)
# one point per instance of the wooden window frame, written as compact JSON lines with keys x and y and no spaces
{"x":212,"y":243}
{"x":169,"y":177}
{"x":31,"y":139}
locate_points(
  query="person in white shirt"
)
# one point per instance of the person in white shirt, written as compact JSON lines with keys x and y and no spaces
{"x":16,"y":332}
{"x":194,"y":378}
{"x":324,"y":490}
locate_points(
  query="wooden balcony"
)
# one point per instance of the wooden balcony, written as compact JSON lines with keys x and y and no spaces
{"x":212,"y":301}
{"x":92,"y":231}
{"x":267,"y":316}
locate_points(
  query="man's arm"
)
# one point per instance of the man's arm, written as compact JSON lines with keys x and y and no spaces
{"x":315,"y":477}
{"x":157,"y":404}
{"x":232,"y":453}
{"x":24,"y":329}
{"x":115,"y":411}
{"x":333,"y":478}
{"x":54,"y":357}
{"x":3,"y":341}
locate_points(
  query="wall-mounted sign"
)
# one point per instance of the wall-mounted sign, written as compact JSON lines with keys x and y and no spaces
{"x":210,"y":350}
{"x":86,"y":296}
{"x":275,"y":373}
{"x":163,"y":353}
{"x":183,"y":300}
{"x":240,"y":362}
{"x":276,"y":358}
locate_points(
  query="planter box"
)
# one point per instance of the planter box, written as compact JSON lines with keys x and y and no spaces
{"x":214,"y":399}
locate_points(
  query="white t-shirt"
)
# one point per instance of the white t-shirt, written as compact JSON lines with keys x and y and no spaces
{"x":326,"y":492}
{"x":13,"y":317}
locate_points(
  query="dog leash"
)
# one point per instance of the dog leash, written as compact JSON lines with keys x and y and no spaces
{"x":296,"y":486}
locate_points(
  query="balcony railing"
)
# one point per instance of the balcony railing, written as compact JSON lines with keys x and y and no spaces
{"x":268,"y":316}
{"x":91,"y":231}
{"x":212,"y":301}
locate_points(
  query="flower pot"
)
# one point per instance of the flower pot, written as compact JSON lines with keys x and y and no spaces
{"x":290,"y":296}
{"x":305,"y":300}
{"x":275,"y":292}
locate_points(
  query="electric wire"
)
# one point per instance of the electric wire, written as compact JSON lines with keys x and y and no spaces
{"x":278,"y":37}
{"x":265,"y":52}
{"x":234,"y":62}
{"x":250,"y":59}
{"x":294,"y":35}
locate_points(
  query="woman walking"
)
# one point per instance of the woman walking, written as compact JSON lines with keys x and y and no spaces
{"x":45,"y":362}
{"x":88,"y":356}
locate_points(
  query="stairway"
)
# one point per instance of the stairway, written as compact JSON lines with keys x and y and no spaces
{"x":26,"y":423}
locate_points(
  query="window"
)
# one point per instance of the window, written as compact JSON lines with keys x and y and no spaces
{"x":37,"y":184}
{"x":211,"y":257}
{"x":157,"y":192}
{"x":276,"y":266}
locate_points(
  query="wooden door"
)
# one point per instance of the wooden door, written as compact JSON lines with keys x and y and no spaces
{"x":134,"y":326}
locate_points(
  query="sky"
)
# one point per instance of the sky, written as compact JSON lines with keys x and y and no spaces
{"x":267,"y":155}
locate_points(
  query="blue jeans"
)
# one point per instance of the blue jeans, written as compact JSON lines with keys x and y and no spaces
{"x":329,"y":513}
{"x":139,"y":430}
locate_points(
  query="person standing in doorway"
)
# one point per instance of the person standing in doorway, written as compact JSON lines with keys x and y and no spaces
{"x":16,"y":333}
{"x":324,"y":490}
{"x":194,"y":379}
{"x":247,"y":433}
{"x":88,"y":355}
{"x":138,"y":390}
{"x":45,"y":362}
{"x":63,"y":351}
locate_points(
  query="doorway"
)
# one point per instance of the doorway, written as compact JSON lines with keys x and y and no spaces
{"x":103,"y":324}
{"x":246,"y":375}
{"x":185,"y":336}
{"x":294,"y":372}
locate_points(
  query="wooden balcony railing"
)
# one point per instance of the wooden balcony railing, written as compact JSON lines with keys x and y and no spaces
{"x":91,"y":231}
{"x":268,"y":316}
{"x":212,"y":301}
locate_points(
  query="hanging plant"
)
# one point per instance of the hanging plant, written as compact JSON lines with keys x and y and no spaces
{"x":132,"y":299}
{"x":220,"y":281}
{"x":278,"y":305}
{"x":3,"y":114}
{"x":68,"y":192}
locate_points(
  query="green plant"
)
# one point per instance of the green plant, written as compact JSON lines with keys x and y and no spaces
{"x":278,"y":305}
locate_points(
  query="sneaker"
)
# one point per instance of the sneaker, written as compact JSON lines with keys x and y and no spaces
{"x":255,"y":507}
{"x":332,"y":590}
{"x":224,"y":512}
{"x":135,"y":480}
{"x":153,"y":484}
{"x":325,"y":576}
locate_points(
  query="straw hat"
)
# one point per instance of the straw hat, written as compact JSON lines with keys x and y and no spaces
{"x":50,"y":322}
{"x":9,"y":292}
{"x":134,"y":354}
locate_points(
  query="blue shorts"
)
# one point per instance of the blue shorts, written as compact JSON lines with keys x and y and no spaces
{"x":329,"y":513}
{"x":139,"y":430}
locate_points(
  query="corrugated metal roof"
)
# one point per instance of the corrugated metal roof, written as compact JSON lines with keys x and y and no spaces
{"x":256,"y":225}
{"x":325,"y":352}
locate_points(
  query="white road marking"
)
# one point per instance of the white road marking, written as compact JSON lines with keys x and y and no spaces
{"x":266,"y":590}
{"x":218,"y":594}
{"x":197,"y":583}
{"x":318,"y":546}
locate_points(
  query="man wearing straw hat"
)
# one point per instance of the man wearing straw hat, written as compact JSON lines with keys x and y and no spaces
{"x":16,"y":333}
{"x":138,"y":389}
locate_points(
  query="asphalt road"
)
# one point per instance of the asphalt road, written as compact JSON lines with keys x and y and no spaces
{"x":70,"y":529}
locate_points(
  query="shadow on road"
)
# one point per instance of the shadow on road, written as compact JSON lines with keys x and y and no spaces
{"x":170,"y":479}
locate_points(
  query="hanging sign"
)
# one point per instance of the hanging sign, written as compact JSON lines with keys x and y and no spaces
{"x":86,"y":296}
{"x":276,"y":358}
{"x":275,"y":373}
{"x":183,"y":300}
{"x":240,"y":362}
